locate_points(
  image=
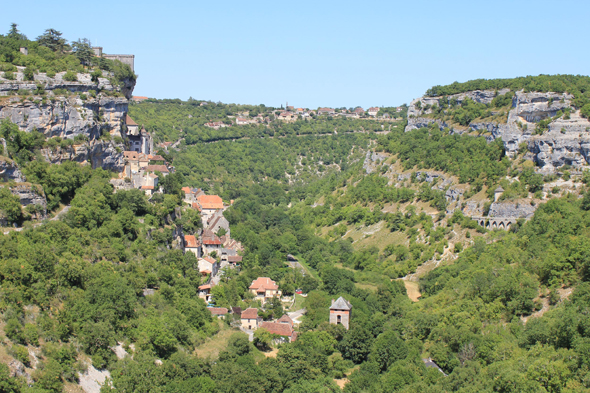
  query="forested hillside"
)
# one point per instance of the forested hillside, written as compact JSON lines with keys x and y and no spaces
{"x":369,"y":217}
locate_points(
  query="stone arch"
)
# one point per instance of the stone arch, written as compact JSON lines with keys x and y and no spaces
{"x":494,"y":225}
{"x":501,"y":226}
{"x":508,"y":224}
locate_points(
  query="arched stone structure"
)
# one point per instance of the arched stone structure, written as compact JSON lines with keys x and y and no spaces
{"x":503,"y":223}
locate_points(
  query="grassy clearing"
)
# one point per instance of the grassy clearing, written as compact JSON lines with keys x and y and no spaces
{"x":376,"y":235}
{"x":307,"y":268}
{"x":298,"y":305}
{"x":212,"y":346}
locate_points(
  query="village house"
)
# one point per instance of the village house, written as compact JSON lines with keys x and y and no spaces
{"x":340,"y":312}
{"x":163,"y":169}
{"x":216,"y":125}
{"x":218,"y":312}
{"x":287,"y":116}
{"x":234,"y":259}
{"x":359,"y":111}
{"x":373,"y":111}
{"x":282,"y":327}
{"x":249,"y":319}
{"x":210,"y":243}
{"x":217,"y":222}
{"x":204,"y":292}
{"x":191,"y":194}
{"x":208,"y":204}
{"x":326,"y":111}
{"x":242,"y":121}
{"x":131,"y":125}
{"x":208,"y":266}
{"x":134,"y":162}
{"x":263,"y":289}
{"x":191,"y":244}
{"x":156,"y":159}
{"x":149,"y":183}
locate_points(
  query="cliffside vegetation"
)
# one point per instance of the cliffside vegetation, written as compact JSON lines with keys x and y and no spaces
{"x":578,"y":85}
{"x":50,"y":53}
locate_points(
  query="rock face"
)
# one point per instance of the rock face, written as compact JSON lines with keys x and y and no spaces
{"x":511,"y":210}
{"x":567,"y":141}
{"x":31,"y":195}
{"x":9,"y":171}
{"x":59,"y":108}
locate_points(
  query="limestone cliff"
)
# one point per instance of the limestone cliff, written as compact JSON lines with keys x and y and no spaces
{"x":566,"y":141}
{"x":93,"y":110}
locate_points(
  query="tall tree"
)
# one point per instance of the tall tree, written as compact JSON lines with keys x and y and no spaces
{"x":53,"y":40}
{"x":15,"y":33}
{"x":83,"y":50}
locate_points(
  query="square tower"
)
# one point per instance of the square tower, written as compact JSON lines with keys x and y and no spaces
{"x":340,"y":311}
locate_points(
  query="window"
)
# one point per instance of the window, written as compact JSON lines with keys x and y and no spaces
{"x":339,"y":319}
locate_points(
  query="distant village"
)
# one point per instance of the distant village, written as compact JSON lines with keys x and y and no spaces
{"x":213,"y":246}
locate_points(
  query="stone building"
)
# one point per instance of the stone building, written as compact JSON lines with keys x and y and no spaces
{"x":340,"y":311}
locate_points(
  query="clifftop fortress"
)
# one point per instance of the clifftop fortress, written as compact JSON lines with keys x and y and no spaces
{"x":125,"y":59}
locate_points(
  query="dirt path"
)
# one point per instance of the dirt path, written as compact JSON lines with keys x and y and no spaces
{"x":413,"y":290}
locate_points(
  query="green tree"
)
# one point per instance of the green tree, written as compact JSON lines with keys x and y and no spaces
{"x":82,"y":49}
{"x":53,"y":40}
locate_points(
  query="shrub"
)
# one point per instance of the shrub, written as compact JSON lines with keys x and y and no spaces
{"x":50,"y":73}
{"x":83,"y":97}
{"x":9,"y":75}
{"x":70,"y":76}
{"x":29,"y":73}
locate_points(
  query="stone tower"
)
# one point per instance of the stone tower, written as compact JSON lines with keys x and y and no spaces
{"x":498,"y":193}
{"x":340,"y":312}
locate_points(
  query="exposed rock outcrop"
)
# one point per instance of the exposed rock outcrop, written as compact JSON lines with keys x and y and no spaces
{"x":565,"y":142}
{"x":512,"y":210}
{"x":59,"y":108}
{"x":9,"y":171}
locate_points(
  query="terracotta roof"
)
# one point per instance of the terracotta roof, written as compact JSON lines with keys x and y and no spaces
{"x":285,"y":319}
{"x":234,"y":258}
{"x":152,"y":176}
{"x":373,"y":109}
{"x":205,"y":286}
{"x":210,"y":202}
{"x":236,"y":310}
{"x":218,"y":310}
{"x":190,"y":241}
{"x":139,"y":98}
{"x":211,"y":242}
{"x":340,"y":304}
{"x":281,"y":329}
{"x":210,"y":260}
{"x":130,"y":154}
{"x":157,"y":157}
{"x":142,"y":157}
{"x":205,"y":272}
{"x":196,"y":206}
{"x":250,"y":313}
{"x":159,"y":168}
{"x":263,"y":283}
{"x":147,"y":187}
{"x":187,"y":190}
{"x":129,"y":121}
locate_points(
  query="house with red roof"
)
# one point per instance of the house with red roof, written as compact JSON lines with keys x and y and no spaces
{"x":373,"y":111}
{"x":263,"y":289}
{"x":208,"y":205}
{"x":218,"y":312}
{"x":192,"y":244}
{"x":210,"y":242}
{"x":326,"y":111}
{"x":250,"y":319}
{"x":208,"y":266}
{"x":204,"y":292}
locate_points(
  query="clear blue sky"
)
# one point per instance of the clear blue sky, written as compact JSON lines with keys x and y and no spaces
{"x":319,"y":53}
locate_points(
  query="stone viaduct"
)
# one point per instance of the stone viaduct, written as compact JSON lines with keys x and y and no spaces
{"x":495,"y":222}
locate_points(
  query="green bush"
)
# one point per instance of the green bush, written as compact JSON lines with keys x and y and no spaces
{"x":70,"y":76}
{"x":29,"y":73}
{"x":9,"y":75}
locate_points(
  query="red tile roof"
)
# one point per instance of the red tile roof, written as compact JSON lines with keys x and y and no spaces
{"x":281,"y":329}
{"x":132,"y":155}
{"x":234,"y":258}
{"x":147,"y":187}
{"x":139,"y":98}
{"x":205,"y":286}
{"x":196,"y":206}
{"x":157,"y":157}
{"x":285,"y":319}
{"x":263,"y":283}
{"x":210,"y":202}
{"x":187,"y":190}
{"x":129,"y":121}
{"x":190,"y":241}
{"x":212,"y":242}
{"x":218,"y":310}
{"x":250,"y":313}
{"x":210,"y":260}
{"x":159,"y":168}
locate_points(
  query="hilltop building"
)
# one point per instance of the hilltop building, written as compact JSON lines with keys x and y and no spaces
{"x":263,"y":288}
